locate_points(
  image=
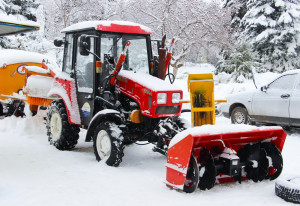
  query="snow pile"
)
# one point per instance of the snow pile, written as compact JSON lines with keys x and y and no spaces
{"x":15,"y":20}
{"x":13,"y":56}
{"x":150,"y":82}
{"x":38,"y":86}
{"x":216,"y":129}
{"x":37,"y":69}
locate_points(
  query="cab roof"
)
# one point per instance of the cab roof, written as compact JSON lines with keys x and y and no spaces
{"x":109,"y":26}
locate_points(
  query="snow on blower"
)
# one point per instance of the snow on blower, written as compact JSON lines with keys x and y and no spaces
{"x":112,"y":85}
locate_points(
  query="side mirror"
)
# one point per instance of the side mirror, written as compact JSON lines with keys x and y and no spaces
{"x":58,"y":42}
{"x":84,"y":45}
{"x":263,"y":88}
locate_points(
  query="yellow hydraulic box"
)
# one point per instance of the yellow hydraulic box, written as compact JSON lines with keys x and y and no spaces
{"x":201,"y":87}
{"x":12,"y":78}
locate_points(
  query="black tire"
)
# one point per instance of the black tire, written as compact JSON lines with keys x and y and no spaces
{"x":61,"y":134}
{"x":288,"y":189}
{"x":192,"y":176}
{"x":107,"y":132}
{"x":239,"y":115}
{"x":1,"y":110}
{"x":254,"y":153}
{"x":208,"y":178}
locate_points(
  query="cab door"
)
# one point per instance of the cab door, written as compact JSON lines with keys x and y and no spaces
{"x":84,"y":73}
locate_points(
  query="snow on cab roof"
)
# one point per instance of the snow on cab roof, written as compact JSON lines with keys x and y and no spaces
{"x":13,"y":56}
{"x":111,"y":26}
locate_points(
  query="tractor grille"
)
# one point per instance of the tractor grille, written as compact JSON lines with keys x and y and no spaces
{"x":167,"y":109}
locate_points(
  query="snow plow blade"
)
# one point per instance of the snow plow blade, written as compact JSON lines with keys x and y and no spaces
{"x":242,"y":152}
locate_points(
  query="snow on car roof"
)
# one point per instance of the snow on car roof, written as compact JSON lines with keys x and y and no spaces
{"x":13,"y":56}
{"x":292,"y":71}
{"x":112,"y":26}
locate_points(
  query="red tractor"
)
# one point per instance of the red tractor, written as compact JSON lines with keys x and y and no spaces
{"x":122,"y":106}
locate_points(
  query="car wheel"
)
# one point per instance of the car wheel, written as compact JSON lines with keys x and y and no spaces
{"x":288,"y":189}
{"x":239,"y":115}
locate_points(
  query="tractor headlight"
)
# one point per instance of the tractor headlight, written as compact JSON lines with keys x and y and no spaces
{"x":175,"y":98}
{"x":161,"y":98}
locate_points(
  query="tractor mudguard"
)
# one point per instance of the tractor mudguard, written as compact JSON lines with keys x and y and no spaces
{"x":104,"y":115}
{"x":66,"y":90}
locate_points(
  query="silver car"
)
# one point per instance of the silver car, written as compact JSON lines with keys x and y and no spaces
{"x":276,"y":103}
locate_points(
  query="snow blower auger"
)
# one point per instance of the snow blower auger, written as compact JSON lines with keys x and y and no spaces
{"x":206,"y":155}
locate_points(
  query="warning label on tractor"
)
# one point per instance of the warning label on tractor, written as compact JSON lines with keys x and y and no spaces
{"x":86,"y":110}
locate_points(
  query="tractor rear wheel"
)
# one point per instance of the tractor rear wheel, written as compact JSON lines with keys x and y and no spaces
{"x":61,"y":133}
{"x":192,"y":176}
{"x":108,"y":143}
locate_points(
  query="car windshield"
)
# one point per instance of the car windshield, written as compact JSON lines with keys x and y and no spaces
{"x":136,"y":56}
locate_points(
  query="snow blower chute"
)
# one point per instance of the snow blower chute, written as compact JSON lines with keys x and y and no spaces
{"x":212,"y":154}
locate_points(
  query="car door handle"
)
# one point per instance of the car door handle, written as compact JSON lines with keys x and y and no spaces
{"x":285,"y":96}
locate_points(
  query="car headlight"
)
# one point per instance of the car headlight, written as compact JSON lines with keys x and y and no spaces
{"x":161,"y":98}
{"x":175,"y":98}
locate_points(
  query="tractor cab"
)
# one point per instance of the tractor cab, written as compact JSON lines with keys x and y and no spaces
{"x":91,"y":54}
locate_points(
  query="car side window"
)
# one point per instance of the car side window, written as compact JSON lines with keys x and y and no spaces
{"x":285,"y":82}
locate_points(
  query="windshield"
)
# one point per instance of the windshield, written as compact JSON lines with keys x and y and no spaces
{"x":136,"y":56}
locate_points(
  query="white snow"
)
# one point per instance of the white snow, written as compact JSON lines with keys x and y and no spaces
{"x":13,"y":56}
{"x":34,"y":173}
{"x":13,"y":19}
{"x":215,"y":129}
{"x":150,"y":82}
{"x":37,"y":69}
{"x":38,"y":86}
{"x":93,"y":24}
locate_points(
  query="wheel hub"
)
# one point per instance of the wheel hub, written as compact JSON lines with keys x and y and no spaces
{"x":56,"y":126}
{"x":103,"y":144}
{"x":239,"y":117}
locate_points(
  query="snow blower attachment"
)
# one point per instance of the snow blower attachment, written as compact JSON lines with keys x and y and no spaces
{"x":211,"y":154}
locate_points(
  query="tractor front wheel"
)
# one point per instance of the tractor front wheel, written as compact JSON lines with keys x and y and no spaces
{"x":108,"y":143}
{"x":61,"y":133}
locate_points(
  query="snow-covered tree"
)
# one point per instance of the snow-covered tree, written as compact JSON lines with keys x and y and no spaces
{"x":21,"y":10}
{"x":241,"y":62}
{"x":272,"y":27}
{"x":194,"y":24}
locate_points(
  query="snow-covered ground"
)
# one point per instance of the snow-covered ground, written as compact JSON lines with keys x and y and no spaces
{"x":33,"y":173}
